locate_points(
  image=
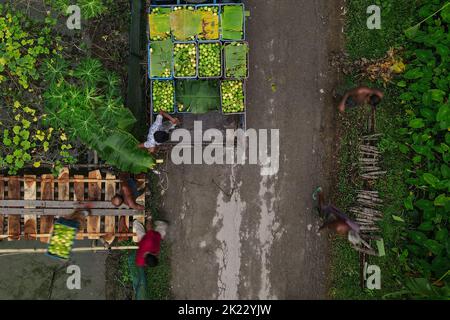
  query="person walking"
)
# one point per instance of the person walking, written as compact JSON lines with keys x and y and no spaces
{"x":149,"y":242}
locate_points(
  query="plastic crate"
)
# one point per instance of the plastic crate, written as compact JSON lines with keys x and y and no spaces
{"x":196,"y":2}
{"x":224,"y":63}
{"x":173,"y":36}
{"x":203,"y":79}
{"x":244,"y":88}
{"x":150,"y":66}
{"x":152,"y":112}
{"x":67,"y":223}
{"x":148,"y":19}
{"x":196,"y":60}
{"x":243,"y":21}
{"x":220,"y":21}
{"x":221,"y":60}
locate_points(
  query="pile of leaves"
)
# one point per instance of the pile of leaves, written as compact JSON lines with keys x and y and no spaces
{"x":85,"y":100}
{"x":185,"y":23}
{"x":233,"y":22}
{"x":426,"y":140}
{"x":159,"y":22}
{"x":161,"y":57}
{"x":384,"y":69}
{"x":236,"y":60}
{"x":198,"y":96}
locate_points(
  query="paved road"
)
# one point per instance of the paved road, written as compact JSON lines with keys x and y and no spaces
{"x":36,"y":276}
{"x":239,"y":235}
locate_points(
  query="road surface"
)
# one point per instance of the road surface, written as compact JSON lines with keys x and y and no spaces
{"x":234,"y":233}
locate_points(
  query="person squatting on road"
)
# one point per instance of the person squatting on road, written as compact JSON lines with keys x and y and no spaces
{"x":128,"y":193}
{"x":360,"y":96}
{"x":159,"y":132}
{"x":149,"y":242}
{"x":335,"y":220}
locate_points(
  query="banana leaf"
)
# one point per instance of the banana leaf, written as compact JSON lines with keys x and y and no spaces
{"x":236,"y":60}
{"x":198,"y":96}
{"x":160,"y":23}
{"x":185,"y":24}
{"x":120,"y":150}
{"x":160,"y":57}
{"x":233,"y":22}
{"x":210,"y":25}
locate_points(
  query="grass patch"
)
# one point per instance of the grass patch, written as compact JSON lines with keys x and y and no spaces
{"x":345,"y":274}
{"x":364,"y":43}
{"x":396,"y":16}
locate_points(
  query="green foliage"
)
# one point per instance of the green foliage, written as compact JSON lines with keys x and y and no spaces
{"x":396,"y":16}
{"x":23,"y":44}
{"x":198,"y":96}
{"x":24,"y":141}
{"x":185,"y":23}
{"x":89,"y":8}
{"x":88,"y":106}
{"x":161,"y":53}
{"x":159,"y":22}
{"x":426,"y":139}
{"x":236,"y":54}
{"x":233,"y":22}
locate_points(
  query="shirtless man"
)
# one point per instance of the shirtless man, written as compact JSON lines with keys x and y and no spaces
{"x":360,"y":96}
{"x":128,"y":194}
{"x":335,"y":220}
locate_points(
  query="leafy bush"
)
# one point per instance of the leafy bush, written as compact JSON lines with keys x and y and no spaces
{"x":427,"y":140}
{"x":24,"y":141}
{"x":87,"y":104}
{"x":89,"y":8}
{"x":22,"y":45}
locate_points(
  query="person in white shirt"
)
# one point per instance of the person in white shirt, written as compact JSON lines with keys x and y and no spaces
{"x":159,"y":132}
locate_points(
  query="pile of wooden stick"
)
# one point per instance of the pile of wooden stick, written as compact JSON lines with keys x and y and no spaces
{"x":367,"y":211}
{"x":369,"y":158}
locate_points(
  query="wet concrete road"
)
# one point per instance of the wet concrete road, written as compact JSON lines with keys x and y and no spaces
{"x":237,"y":234}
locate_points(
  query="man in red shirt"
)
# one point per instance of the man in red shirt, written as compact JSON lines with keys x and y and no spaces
{"x":149,"y":242}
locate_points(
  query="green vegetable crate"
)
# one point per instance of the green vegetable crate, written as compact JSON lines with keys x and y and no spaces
{"x":207,"y":43}
{"x":62,"y":239}
{"x":185,"y":60}
{"x":163,"y":96}
{"x":232,"y":93}
{"x":210,"y":60}
{"x":236,"y":60}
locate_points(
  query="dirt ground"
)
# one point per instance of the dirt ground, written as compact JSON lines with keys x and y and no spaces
{"x":234,"y":233}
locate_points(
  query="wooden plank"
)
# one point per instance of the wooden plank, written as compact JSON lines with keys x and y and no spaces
{"x":47,"y":193}
{"x":14,"y":220}
{"x":30,"y":221}
{"x":59,"y":204}
{"x":124,"y":221}
{"x":94,"y":193}
{"x":110,"y":221}
{"x":64,"y":212}
{"x":140,"y":179}
{"x":78,"y":195}
{"x":2,"y":195}
{"x":85,"y":180}
{"x":82,"y":234}
{"x":63,"y":185}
